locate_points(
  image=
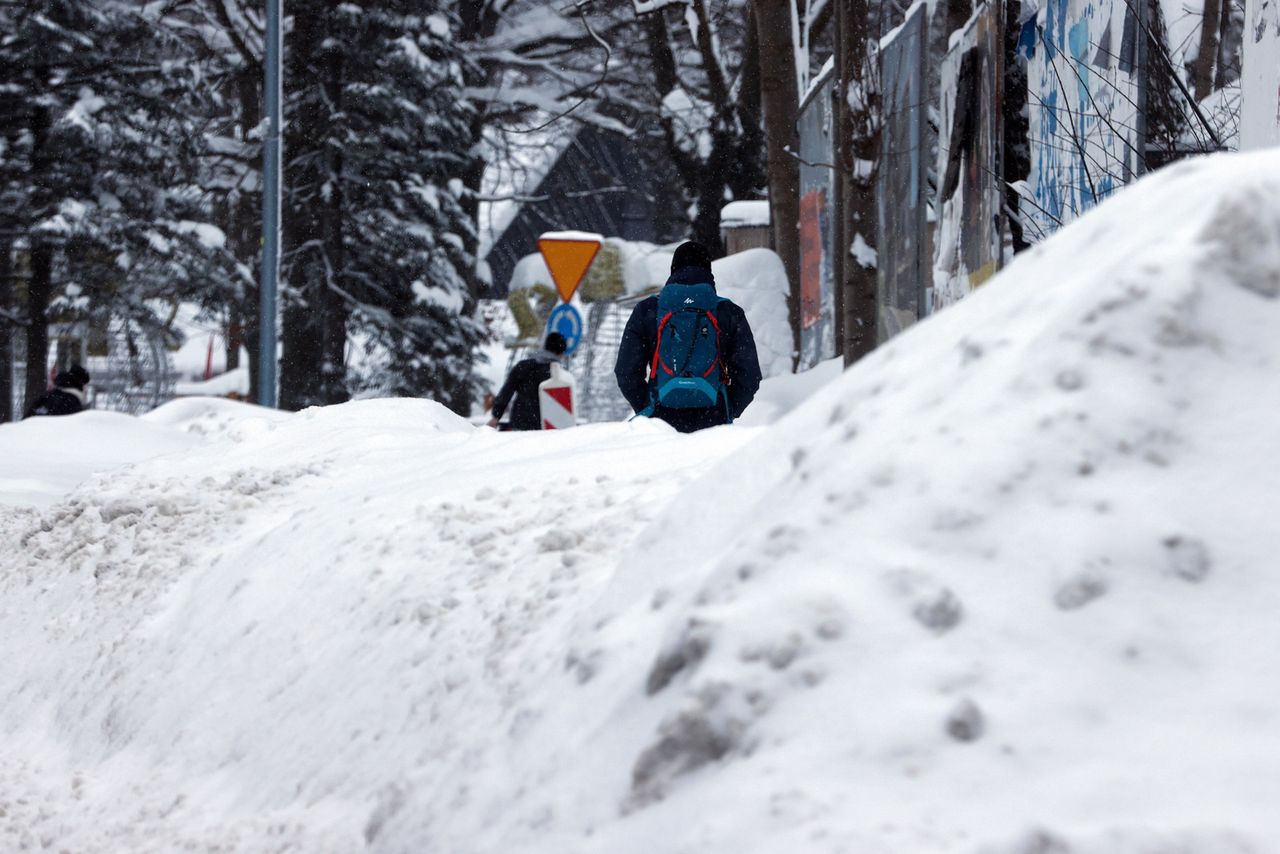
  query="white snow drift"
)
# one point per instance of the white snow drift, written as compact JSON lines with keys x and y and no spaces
{"x":1006,"y":586}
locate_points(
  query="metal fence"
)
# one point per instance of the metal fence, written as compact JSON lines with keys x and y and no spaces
{"x":129,"y":365}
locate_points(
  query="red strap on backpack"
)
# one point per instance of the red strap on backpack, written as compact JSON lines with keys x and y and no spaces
{"x":653,"y":368}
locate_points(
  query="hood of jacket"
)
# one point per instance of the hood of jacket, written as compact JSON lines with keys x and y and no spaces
{"x":543,"y":356}
{"x":692,"y":276}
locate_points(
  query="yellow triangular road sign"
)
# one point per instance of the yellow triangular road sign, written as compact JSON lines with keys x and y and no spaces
{"x":568,"y":256}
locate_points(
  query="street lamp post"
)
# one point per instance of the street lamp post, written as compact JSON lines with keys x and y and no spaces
{"x":270,"y":211}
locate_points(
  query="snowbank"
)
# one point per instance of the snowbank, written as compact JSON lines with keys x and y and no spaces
{"x":235,"y":381}
{"x":780,"y":394}
{"x":291,"y":633}
{"x":755,"y":280}
{"x":1005,"y":586}
{"x":41,"y":459}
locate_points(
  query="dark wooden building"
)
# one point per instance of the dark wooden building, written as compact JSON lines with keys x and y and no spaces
{"x":602,"y":182}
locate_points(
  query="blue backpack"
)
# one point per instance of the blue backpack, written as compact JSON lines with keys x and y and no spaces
{"x":686,"y":361}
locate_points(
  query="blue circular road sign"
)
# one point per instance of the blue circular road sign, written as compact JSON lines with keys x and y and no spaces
{"x":566,"y":320}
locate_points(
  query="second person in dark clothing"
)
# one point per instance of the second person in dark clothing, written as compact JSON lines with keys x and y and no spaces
{"x":67,"y":396}
{"x":522,"y":384}
{"x":736,"y":368}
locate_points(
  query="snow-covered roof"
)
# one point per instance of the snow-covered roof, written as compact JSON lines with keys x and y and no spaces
{"x":744,"y":213}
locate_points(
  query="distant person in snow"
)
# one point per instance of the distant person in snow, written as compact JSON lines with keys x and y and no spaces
{"x":67,"y":396}
{"x":687,"y":354}
{"x":523,"y":383}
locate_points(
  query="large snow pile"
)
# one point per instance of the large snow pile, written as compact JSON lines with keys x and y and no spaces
{"x":300,"y":630}
{"x":1006,"y":586}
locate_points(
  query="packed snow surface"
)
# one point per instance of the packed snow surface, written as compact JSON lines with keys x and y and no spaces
{"x":1006,"y":586}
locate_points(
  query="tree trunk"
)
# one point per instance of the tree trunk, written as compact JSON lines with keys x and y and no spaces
{"x":748,"y":180}
{"x":957,"y":15}
{"x":478,"y":21}
{"x":6,"y":333}
{"x":1017,"y":129}
{"x":781,"y":104}
{"x":39,"y":293}
{"x":1206,"y":57}
{"x":234,"y":334}
{"x":313,"y":365}
{"x":246,"y":230}
{"x":861,"y":216}
{"x":40,"y":285}
{"x":1230,"y":38}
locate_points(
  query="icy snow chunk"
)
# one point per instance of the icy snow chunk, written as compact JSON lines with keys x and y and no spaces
{"x":1079,"y":590}
{"x":1188,"y":558}
{"x":208,"y":234}
{"x":439,"y":25}
{"x":1244,"y":236}
{"x":932,"y":605}
{"x":966,"y":721}
{"x":684,"y":653}
{"x":559,"y":540}
{"x":705,"y":730}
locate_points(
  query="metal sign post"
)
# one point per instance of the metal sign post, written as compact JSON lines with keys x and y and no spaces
{"x":270,"y":212}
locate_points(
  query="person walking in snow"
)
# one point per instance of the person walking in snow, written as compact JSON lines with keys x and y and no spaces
{"x":523,"y":383}
{"x":67,"y":397}
{"x":687,"y":354}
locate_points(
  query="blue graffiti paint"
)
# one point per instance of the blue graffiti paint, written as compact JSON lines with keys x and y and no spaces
{"x":1051,"y":114}
{"x":1027,"y":38}
{"x":1078,"y":41}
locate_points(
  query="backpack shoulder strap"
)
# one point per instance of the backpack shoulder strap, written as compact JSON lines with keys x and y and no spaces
{"x":657,"y":343}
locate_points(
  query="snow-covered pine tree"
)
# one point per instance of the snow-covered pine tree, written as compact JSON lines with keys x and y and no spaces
{"x":223,"y":39}
{"x":45,"y":46}
{"x":376,"y":137}
{"x":98,"y":167}
{"x":144,"y":232}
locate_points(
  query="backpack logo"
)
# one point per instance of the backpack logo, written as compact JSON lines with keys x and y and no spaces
{"x":688,"y":301}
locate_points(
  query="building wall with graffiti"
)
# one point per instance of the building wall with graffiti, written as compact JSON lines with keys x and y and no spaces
{"x":817,"y":291}
{"x":970,"y":228}
{"x":1260,"y":79}
{"x":1082,"y":96}
{"x":903,"y":266}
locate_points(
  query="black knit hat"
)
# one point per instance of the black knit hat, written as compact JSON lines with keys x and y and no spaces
{"x":555,"y":343}
{"x":691,"y":254}
{"x":74,"y":377}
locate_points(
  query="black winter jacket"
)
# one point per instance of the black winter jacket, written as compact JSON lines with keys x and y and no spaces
{"x":59,"y":401}
{"x":737,"y":350}
{"x":523,"y":383}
